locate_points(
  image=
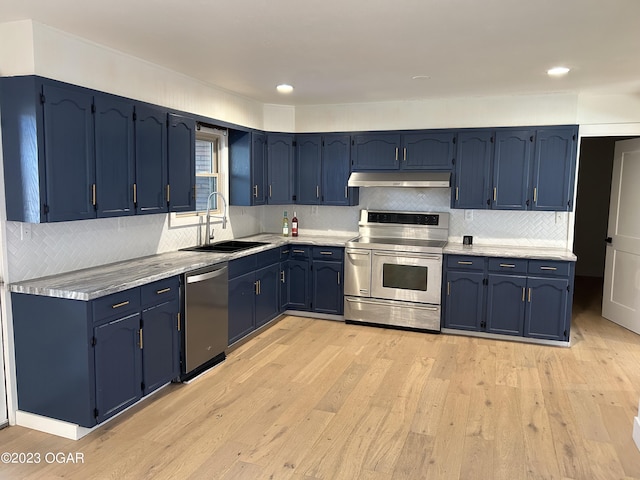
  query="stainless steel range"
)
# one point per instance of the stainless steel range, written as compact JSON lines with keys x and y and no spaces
{"x":393,"y":269}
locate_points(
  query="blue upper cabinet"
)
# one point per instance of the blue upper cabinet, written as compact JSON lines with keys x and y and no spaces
{"x":428,"y":151}
{"x":375,"y":151}
{"x":151,"y":160}
{"x":322,"y":170}
{"x":527,"y":169}
{"x":309,"y":169}
{"x":280,"y":168}
{"x":182,"y":164}
{"x":115,"y":157}
{"x":247,"y":168}
{"x":511,"y":167}
{"x":554,"y":169}
{"x":336,"y":167}
{"x":423,"y":150}
{"x":48,"y":149}
{"x":471,"y":184}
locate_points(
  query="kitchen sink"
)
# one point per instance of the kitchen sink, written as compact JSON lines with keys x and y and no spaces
{"x":228,"y":246}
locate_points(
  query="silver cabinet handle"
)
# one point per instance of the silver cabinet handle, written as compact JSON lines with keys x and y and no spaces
{"x":326,"y":253}
{"x":298,"y":251}
{"x":346,"y":191}
{"x":164,"y":290}
{"x":121,"y":304}
{"x":282,"y":280}
{"x":338,"y":278}
{"x":255,"y":191}
{"x":507,"y":265}
{"x":397,"y":154}
{"x":460,"y":262}
{"x":404,"y":154}
{"x":548,"y":268}
{"x":317,"y":191}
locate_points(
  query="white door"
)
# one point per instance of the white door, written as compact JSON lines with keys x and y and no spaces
{"x":621,"y":295}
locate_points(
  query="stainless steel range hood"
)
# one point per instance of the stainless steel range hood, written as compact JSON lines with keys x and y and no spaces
{"x":400,"y":179}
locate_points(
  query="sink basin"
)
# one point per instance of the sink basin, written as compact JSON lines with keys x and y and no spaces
{"x":228,"y":246}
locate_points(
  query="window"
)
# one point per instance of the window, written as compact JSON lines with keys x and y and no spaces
{"x":211,"y":166}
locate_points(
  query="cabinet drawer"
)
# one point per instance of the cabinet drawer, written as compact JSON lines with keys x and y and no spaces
{"x":159,"y":292}
{"x":299,"y":252}
{"x":284,"y":252}
{"x":242,"y":265}
{"x":268,"y":257}
{"x":549,"y":267}
{"x":468,"y":262}
{"x":118,"y":304}
{"x":328,"y":253}
{"x":508,"y":265}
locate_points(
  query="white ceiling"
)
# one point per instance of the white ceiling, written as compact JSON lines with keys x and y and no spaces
{"x":352,"y":51}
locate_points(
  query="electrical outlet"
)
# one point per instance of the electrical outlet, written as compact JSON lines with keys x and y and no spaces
{"x":314,"y":209}
{"x":559,"y":217}
{"x":25,"y":231}
{"x":468,"y":214}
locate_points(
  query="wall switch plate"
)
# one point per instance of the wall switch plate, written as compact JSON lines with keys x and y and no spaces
{"x":468,"y":214}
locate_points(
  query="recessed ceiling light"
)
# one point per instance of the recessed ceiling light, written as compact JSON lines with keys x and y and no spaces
{"x":284,"y":88}
{"x":420,"y":77}
{"x":558,"y":71}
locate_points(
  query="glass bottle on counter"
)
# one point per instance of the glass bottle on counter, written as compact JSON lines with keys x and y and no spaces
{"x":285,"y":225}
{"x":294,"y":225}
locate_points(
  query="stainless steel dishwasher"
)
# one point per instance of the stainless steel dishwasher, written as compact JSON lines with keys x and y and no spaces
{"x":206,"y":322}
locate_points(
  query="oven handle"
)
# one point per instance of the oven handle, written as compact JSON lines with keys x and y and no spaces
{"x":371,"y":302}
{"x":359,"y":252}
{"x":406,"y":255}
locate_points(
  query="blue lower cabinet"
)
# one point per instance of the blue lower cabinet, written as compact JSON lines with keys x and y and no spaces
{"x":547,"y":300}
{"x":242,"y":306}
{"x":505,"y":304}
{"x":464,"y":300}
{"x":327,"y":287}
{"x":116,"y":349}
{"x":508,"y":296}
{"x":284,"y":285}
{"x":118,"y":365}
{"x":254,"y":293}
{"x":299,"y":285}
{"x":161,"y":345}
{"x":268,"y":295}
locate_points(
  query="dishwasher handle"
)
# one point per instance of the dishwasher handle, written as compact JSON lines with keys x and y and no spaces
{"x":207,"y":275}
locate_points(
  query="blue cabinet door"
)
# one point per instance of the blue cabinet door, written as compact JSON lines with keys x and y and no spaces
{"x":151,"y":160}
{"x":472,"y":169}
{"x":284,"y":285}
{"x":375,"y":151}
{"x":308,"y":169}
{"x":280,"y":169}
{"x":268,"y":297}
{"x":554,"y":169}
{"x":182,"y":164}
{"x":242,"y":292}
{"x":118,"y":365}
{"x":511,"y":169}
{"x":464,"y":300}
{"x":161,"y":345}
{"x":327,"y":287}
{"x":427,"y":151}
{"x":547,"y":308}
{"x":69,"y":153}
{"x":115,"y":157}
{"x":336,"y":166}
{"x":506,"y":304}
{"x":258,"y":168}
{"x":299,"y":285}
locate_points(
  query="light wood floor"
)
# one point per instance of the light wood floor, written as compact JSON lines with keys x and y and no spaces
{"x":316,"y":399}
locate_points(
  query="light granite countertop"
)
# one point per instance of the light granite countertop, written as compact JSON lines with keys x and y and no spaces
{"x":510,"y":251}
{"x":91,"y":283}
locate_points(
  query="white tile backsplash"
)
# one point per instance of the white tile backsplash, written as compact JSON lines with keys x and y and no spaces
{"x":59,"y":247}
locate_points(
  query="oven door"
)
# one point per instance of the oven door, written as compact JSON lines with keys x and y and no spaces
{"x":413,"y":277}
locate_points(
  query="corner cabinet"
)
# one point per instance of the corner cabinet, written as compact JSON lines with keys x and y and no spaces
{"x":516,"y":169}
{"x":83,"y":362}
{"x":508,"y":296}
{"x":322,"y":170}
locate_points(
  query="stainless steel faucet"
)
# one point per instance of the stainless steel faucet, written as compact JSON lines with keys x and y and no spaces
{"x":208,"y":232}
